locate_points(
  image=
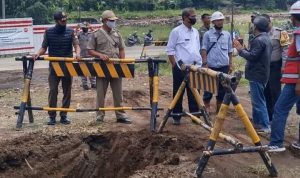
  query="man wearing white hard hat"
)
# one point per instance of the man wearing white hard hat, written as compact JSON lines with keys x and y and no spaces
{"x":216,"y":53}
{"x":290,"y":93}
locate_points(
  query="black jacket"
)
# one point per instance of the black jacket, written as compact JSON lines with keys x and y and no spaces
{"x":258,"y":58}
{"x":59,"y":43}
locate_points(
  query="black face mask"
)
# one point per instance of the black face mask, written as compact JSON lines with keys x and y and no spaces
{"x":193,"y":20}
{"x":85,"y":30}
{"x":60,"y":28}
{"x":218,"y":28}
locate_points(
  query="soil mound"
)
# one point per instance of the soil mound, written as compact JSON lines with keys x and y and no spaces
{"x":110,"y":154}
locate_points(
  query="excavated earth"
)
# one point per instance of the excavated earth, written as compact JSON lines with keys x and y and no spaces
{"x":86,"y":149}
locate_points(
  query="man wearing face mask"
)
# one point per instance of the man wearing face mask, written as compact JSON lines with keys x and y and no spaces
{"x":84,"y":37}
{"x":216,"y":53}
{"x":59,"y":41}
{"x":184,"y":45}
{"x":107,"y":43}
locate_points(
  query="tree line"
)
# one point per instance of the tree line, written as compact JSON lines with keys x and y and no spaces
{"x":42,"y":10}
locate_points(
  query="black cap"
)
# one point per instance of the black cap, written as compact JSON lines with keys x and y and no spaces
{"x":59,"y":15}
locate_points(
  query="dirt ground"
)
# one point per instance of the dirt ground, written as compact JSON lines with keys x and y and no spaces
{"x":88,"y":149}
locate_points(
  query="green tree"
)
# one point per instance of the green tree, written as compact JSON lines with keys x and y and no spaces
{"x":39,"y":13}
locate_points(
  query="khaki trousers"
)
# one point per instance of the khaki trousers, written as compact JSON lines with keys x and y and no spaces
{"x":116,"y":87}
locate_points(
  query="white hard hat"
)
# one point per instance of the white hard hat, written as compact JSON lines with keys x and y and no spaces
{"x":295,"y":8}
{"x":217,"y":16}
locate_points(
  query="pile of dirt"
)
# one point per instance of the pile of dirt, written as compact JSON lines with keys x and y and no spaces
{"x":107,"y":155}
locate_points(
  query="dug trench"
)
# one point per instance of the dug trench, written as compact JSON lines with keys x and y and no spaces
{"x":108,"y":155}
{"x":85,"y":150}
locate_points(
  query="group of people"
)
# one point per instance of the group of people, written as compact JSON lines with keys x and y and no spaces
{"x":268,"y":48}
{"x":104,"y":43}
{"x":210,"y":46}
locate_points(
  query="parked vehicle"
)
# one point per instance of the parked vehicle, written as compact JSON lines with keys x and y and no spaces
{"x":132,"y":40}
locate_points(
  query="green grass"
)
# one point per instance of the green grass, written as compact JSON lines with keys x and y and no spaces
{"x":159,"y":32}
{"x":136,"y":14}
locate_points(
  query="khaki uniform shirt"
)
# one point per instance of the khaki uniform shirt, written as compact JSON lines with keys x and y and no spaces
{"x":280,"y":41}
{"x":100,"y":42}
{"x":202,"y":30}
{"x":83,"y":42}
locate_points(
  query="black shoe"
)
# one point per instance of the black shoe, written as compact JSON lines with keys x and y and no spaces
{"x":85,"y":87}
{"x":176,"y":121}
{"x":124,"y":120}
{"x":52,"y":121}
{"x":93,"y":86}
{"x":65,"y":120}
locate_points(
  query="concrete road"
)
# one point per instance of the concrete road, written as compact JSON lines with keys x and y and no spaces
{"x":135,"y":52}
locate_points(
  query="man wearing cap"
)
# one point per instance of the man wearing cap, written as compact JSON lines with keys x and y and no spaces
{"x":84,"y":36}
{"x":184,"y":46}
{"x":216,"y":53}
{"x":59,"y":41}
{"x":107,"y":43}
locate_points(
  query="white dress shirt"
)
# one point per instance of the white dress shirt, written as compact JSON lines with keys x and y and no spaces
{"x":184,"y":44}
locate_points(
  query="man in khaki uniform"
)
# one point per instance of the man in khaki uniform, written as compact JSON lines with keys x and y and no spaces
{"x":280,"y":42}
{"x":205,"y":18}
{"x":107,"y":43}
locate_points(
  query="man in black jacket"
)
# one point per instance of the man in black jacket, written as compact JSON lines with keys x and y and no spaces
{"x":257,"y":71}
{"x":59,"y":41}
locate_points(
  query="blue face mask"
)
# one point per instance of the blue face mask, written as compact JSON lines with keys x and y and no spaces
{"x":111,"y":24}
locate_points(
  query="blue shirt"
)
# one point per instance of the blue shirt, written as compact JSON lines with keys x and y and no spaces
{"x":218,"y":55}
{"x":184,"y":44}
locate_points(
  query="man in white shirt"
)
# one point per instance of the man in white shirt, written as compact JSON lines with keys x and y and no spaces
{"x":184,"y":45}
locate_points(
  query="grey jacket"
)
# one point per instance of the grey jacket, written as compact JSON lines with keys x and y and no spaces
{"x":258,"y":58}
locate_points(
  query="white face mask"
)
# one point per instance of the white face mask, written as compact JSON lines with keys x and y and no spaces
{"x":111,"y":24}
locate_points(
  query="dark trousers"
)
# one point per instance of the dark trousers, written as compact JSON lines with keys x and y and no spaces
{"x":221,"y":91}
{"x":178,"y":77}
{"x":298,"y":107}
{"x":53,"y":92}
{"x":273,"y":87}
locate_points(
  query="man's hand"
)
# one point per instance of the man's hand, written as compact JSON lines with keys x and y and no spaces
{"x":297,"y":88}
{"x":103,"y":57}
{"x":204,"y":64}
{"x":34,"y":56}
{"x":78,"y":57}
{"x":173,"y":64}
{"x":237,"y":45}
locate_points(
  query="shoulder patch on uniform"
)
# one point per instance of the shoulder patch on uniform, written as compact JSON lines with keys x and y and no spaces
{"x":284,"y":38}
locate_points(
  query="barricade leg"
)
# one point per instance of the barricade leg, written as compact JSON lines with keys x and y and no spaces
{"x":154,"y":83}
{"x":253,"y":135}
{"x":231,"y":97}
{"x":30,"y":114}
{"x":172,"y":105}
{"x":201,"y":106}
{"x":25,"y":95}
